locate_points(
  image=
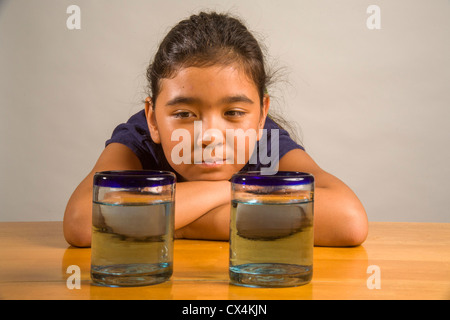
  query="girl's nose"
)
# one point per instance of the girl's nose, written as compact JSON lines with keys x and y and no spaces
{"x":212,"y":137}
{"x":209,"y":130}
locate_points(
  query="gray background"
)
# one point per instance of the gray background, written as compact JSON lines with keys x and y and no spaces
{"x":371,"y":106}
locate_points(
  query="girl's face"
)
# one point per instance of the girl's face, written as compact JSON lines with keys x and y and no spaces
{"x":197,"y":116}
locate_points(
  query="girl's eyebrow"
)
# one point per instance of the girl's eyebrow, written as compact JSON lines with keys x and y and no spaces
{"x":241,"y":98}
{"x":182,"y":100}
{"x":236,"y":99}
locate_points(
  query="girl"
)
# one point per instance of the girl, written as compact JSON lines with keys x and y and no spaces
{"x":209,"y":70}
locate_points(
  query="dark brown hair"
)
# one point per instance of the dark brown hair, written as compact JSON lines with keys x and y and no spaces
{"x":204,"y":40}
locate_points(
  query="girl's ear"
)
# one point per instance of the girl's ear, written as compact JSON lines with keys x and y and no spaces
{"x":151,"y":120}
{"x":264,"y":112}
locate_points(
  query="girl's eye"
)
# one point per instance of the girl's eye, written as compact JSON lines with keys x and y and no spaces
{"x":234,"y":113}
{"x":183,"y":114}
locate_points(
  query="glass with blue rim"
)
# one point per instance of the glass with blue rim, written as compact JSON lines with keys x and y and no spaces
{"x":132,"y":227}
{"x":271,"y":229}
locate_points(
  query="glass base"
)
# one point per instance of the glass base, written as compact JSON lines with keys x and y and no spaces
{"x":270,"y":275}
{"x":131,"y":275}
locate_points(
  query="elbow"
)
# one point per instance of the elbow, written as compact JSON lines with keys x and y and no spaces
{"x":350,"y":230}
{"x":78,"y":239}
{"x":356,"y":235}
{"x":355,"y":230}
{"x":77,"y":230}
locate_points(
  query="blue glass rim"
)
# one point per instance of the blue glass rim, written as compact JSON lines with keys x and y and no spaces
{"x":133,"y":178}
{"x":281,"y":178}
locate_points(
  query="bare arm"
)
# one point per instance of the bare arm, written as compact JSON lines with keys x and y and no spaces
{"x":78,"y":215}
{"x":339,"y":216}
{"x":193,"y":199}
{"x":202,"y":209}
{"x":214,"y":225}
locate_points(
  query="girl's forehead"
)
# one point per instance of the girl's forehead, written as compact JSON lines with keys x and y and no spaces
{"x":226,"y":76}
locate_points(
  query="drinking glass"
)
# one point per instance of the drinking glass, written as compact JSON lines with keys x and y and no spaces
{"x":271,"y":229}
{"x":132,"y":227}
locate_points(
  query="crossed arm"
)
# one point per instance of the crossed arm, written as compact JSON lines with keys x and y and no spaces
{"x":339,"y":216}
{"x":204,"y":206}
{"x":196,"y":199}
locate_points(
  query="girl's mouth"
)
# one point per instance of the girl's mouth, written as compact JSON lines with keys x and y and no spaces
{"x":212,"y":163}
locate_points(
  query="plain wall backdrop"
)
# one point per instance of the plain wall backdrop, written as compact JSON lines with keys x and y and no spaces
{"x":372,"y":106}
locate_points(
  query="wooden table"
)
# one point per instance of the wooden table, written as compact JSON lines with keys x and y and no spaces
{"x":397,"y":261}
